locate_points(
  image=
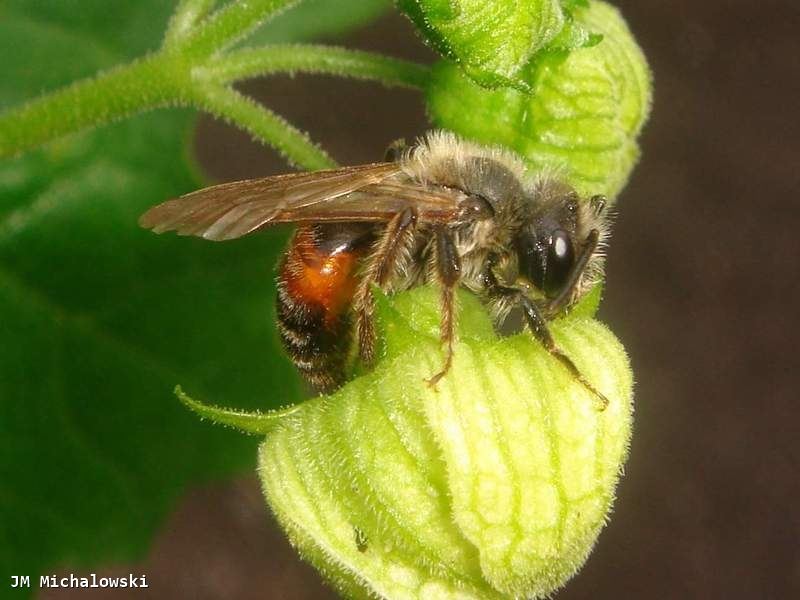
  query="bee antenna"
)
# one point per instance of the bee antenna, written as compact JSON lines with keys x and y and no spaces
{"x":598,"y":203}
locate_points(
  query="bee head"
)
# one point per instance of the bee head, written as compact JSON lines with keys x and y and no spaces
{"x":549,"y":244}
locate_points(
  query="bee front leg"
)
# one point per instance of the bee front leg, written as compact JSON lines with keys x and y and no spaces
{"x":538,"y":326}
{"x":381,"y":267}
{"x":448,"y":272}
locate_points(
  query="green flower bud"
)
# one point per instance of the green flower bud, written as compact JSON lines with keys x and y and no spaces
{"x":493,"y":40}
{"x":582,"y":115}
{"x":493,"y":484}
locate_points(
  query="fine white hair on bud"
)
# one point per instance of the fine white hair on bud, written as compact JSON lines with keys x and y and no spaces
{"x":495,"y":484}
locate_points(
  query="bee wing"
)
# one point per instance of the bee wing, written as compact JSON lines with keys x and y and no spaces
{"x":365,"y":193}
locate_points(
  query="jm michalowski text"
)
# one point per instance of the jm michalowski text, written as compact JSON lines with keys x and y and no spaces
{"x":89,"y":581}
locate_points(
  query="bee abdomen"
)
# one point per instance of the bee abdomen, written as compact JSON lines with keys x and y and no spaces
{"x":316,"y":283}
{"x":317,"y":349}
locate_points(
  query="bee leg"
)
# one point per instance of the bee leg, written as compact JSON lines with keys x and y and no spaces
{"x":395,"y":150}
{"x":448,"y":272}
{"x":556,"y":304}
{"x":538,"y":326}
{"x":381,"y":267}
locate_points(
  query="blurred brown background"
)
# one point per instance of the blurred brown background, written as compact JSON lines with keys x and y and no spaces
{"x":701,"y":288}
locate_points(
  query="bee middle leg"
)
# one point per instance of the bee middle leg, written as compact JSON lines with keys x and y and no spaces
{"x":381,"y":267}
{"x":538,"y":326}
{"x":448,"y":272}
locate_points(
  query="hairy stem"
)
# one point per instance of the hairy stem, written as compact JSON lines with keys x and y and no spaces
{"x":231,"y":23}
{"x":144,"y":84}
{"x":186,"y":16}
{"x":264,"y":125}
{"x":307,"y":58}
{"x":191,"y":71}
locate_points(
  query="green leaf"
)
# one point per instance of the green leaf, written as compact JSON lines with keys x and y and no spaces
{"x":314,"y":19}
{"x":99,"y":319}
{"x":128,"y":30}
{"x":582,"y":117}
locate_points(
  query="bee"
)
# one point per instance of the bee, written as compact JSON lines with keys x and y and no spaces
{"x":444,"y":210}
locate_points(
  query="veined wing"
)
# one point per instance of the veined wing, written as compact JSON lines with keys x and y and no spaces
{"x":227,"y":211}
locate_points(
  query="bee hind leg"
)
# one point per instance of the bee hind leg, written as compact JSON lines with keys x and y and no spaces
{"x":382,"y":265}
{"x":448,"y":272}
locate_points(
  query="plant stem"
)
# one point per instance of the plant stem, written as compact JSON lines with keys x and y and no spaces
{"x":186,"y":16}
{"x":183,"y":73}
{"x":151,"y":82}
{"x":230,"y":24}
{"x":264,"y":125}
{"x":308,"y":58}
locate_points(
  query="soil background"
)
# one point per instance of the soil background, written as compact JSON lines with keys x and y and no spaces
{"x":702,"y":286}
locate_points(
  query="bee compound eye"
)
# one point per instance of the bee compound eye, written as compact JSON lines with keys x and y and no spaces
{"x":560,"y":257}
{"x":560,"y":245}
{"x":532,"y":255}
